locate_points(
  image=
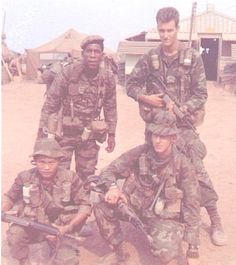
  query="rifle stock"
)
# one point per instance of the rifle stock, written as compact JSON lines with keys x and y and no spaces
{"x":44,"y":228}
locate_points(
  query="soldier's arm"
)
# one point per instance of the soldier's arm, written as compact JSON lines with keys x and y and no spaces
{"x":80,"y":197}
{"x":110,"y":105}
{"x":135,"y":85}
{"x":54,"y":99}
{"x":198,"y":85}
{"x":121,"y":166}
{"x":190,"y":203}
{"x":14,"y":194}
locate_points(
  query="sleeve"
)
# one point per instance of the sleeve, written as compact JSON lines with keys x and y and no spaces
{"x":190,"y":208}
{"x":81,"y":196}
{"x":137,"y":79}
{"x":55,"y":95}
{"x":198,"y":84}
{"x":121,"y":167}
{"x":110,"y":105}
{"x":15,"y":193}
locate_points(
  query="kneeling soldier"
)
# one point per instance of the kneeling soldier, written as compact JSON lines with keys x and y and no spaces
{"x":47,"y":194}
{"x":161,"y":188}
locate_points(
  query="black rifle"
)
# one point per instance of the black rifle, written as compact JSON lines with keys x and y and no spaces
{"x":168,"y":98}
{"x":45,"y":228}
{"x":122,"y":207}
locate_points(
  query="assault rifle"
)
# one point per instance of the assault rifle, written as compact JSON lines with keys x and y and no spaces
{"x":168,"y":98}
{"x":45,"y":228}
{"x":122,"y":207}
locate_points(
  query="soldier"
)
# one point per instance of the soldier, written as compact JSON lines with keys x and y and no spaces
{"x":47,"y":194}
{"x":181,"y":70}
{"x":161,"y":187}
{"x":83,"y":89}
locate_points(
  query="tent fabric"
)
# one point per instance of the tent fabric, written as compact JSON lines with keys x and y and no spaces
{"x":68,"y":42}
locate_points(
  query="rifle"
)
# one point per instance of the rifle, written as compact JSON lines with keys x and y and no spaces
{"x":45,"y":228}
{"x":168,"y":98}
{"x":122,"y":207}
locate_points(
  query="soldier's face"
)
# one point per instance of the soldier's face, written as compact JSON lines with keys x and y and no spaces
{"x":92,"y":55}
{"x":168,"y":33}
{"x":47,"y":166}
{"x":162,"y":144}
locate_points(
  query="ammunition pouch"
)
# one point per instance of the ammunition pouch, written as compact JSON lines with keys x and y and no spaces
{"x":72,"y":127}
{"x":99,"y":129}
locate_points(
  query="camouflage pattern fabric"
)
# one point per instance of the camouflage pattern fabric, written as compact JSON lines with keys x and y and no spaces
{"x":140,"y":191}
{"x":188,"y":86}
{"x":155,"y":64}
{"x":49,"y":202}
{"x":73,"y":87}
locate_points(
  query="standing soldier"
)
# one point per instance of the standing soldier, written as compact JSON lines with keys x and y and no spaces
{"x":83,"y":89}
{"x":179,"y":71}
{"x":161,"y":188}
{"x":47,"y":194}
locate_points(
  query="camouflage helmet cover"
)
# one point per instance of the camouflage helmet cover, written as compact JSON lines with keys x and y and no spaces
{"x":164,"y":123}
{"x":47,"y":147}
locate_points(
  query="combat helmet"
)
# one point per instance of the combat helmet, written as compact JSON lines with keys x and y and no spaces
{"x":47,"y":147}
{"x":163,"y":123}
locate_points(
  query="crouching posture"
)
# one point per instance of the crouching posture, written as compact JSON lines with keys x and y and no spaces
{"x":47,"y":194}
{"x":160,"y":186}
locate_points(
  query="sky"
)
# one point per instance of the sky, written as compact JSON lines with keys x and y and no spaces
{"x":31,"y":23}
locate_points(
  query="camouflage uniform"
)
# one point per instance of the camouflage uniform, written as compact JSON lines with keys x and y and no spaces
{"x":55,"y":202}
{"x":82,"y":99}
{"x":144,"y":172}
{"x":187,"y":84}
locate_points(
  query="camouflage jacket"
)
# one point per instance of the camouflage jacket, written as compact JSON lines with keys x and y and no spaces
{"x":41,"y":200}
{"x":187,"y":84}
{"x":141,"y":188}
{"x":72,"y":85}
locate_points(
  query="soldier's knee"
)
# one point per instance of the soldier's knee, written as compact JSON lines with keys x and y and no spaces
{"x":165,"y":255}
{"x":15,"y":235}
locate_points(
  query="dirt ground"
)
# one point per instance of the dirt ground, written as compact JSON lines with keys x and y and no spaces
{"x":21,"y":104}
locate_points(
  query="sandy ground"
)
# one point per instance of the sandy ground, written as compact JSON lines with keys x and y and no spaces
{"x":21,"y":104}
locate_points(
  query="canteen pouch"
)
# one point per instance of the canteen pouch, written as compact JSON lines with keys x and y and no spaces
{"x":99,"y":130}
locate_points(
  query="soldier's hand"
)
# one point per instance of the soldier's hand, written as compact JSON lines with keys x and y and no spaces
{"x":192,"y":261}
{"x":113,"y":195}
{"x":111,"y":143}
{"x":154,"y":100}
{"x":41,"y":134}
{"x":64,"y":229}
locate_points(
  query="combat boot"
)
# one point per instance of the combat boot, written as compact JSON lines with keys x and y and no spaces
{"x":117,"y":257}
{"x":218,"y":236}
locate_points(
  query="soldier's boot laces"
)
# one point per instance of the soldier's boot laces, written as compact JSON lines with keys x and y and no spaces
{"x":218,"y":236}
{"x":117,"y":257}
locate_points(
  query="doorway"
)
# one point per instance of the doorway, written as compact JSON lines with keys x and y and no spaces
{"x":210,"y":54}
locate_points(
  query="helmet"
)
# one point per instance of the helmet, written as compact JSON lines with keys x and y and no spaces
{"x":163,"y":123}
{"x":47,"y":147}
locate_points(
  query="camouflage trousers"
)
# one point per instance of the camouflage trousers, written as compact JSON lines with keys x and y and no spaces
{"x":166,"y":234}
{"x":192,"y":146}
{"x":86,"y":155}
{"x":19,"y":238}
